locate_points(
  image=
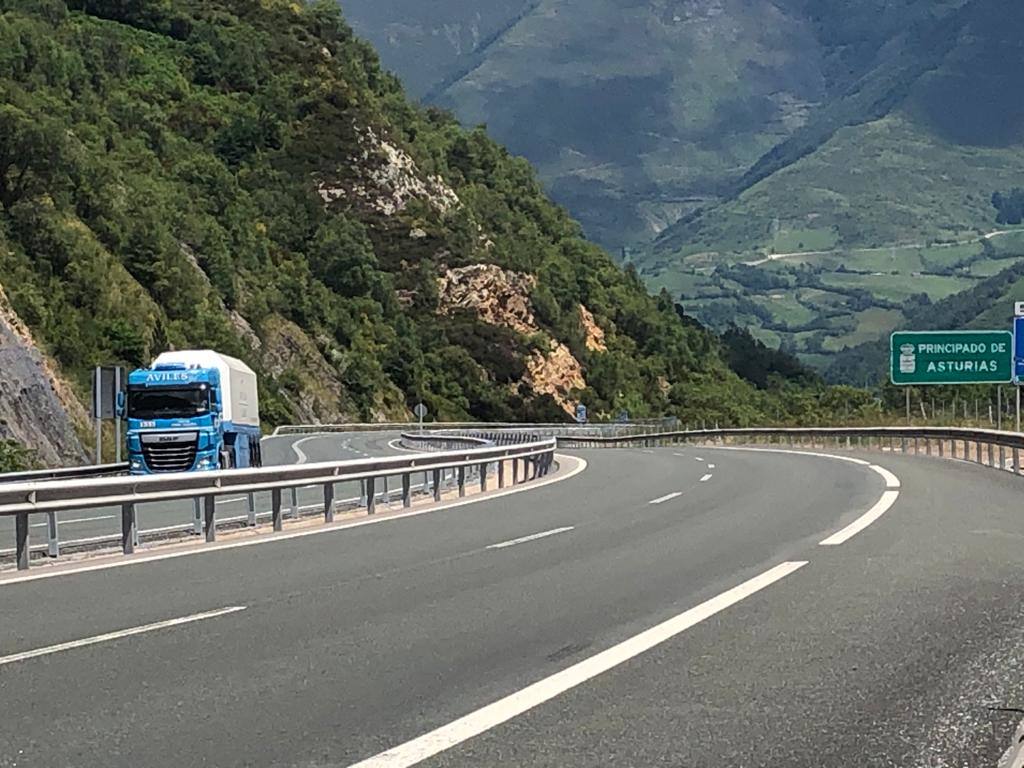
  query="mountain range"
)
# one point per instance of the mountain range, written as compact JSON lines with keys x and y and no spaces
{"x":848,"y":149}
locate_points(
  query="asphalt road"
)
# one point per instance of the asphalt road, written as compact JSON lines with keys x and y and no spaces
{"x":103,"y":523}
{"x":886,"y":650}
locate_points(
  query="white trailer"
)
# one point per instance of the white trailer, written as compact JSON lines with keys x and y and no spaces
{"x":239,"y":393}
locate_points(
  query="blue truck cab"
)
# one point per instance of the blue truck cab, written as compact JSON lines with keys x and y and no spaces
{"x":192,"y":410}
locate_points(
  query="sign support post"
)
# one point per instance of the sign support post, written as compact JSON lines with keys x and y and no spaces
{"x":907,"y":391}
{"x":96,"y":410}
{"x":999,"y":407}
{"x":117,"y":416}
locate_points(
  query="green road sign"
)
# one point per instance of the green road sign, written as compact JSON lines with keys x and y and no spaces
{"x":951,"y":357}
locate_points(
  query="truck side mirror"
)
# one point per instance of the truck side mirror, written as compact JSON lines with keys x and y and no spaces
{"x":119,"y":405}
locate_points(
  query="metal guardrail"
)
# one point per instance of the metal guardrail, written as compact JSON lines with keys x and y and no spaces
{"x":21,"y":500}
{"x":64,"y":473}
{"x":898,"y":439}
{"x":647,"y":425}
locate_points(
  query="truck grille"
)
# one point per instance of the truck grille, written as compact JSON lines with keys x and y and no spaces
{"x":170,"y":451}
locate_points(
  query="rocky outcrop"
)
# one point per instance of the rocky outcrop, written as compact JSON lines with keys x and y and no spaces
{"x":594,"y":338}
{"x":497,"y":296}
{"x":37,"y":407}
{"x":311,"y":384}
{"x":315,"y":391}
{"x":556,"y":373}
{"x":502,"y":297}
{"x":388,"y":180}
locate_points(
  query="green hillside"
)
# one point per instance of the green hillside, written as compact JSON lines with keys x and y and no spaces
{"x":881,"y":203}
{"x":244,"y":176}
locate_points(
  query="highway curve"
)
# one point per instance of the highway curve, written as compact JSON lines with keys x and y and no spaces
{"x":711,"y":628}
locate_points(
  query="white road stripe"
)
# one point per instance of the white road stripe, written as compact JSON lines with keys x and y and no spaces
{"x":698,"y":458}
{"x":72,"y":521}
{"x":711,"y":466}
{"x":531,"y":537}
{"x":118,"y":635}
{"x":681,"y":455}
{"x":891,"y":481}
{"x":302,"y":458}
{"x":501,"y":711}
{"x":666,"y":497}
{"x":705,"y":478}
{"x":881,"y":507}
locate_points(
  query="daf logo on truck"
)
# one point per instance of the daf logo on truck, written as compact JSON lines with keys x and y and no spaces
{"x":190,"y":411}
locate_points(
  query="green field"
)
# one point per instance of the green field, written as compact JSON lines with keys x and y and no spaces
{"x":785,"y":308}
{"x":795,"y":240}
{"x":899,"y":287}
{"x":871,"y":324}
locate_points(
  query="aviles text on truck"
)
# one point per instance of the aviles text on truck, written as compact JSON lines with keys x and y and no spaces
{"x":190,"y":411}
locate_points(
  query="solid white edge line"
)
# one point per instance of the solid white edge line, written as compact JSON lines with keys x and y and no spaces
{"x":881,"y":507}
{"x":891,"y":481}
{"x":850,"y":459}
{"x":494,"y":714}
{"x":666,"y":497}
{"x":302,"y":458}
{"x":706,"y":478}
{"x":581,"y":465}
{"x":107,"y":637}
{"x":531,"y":537}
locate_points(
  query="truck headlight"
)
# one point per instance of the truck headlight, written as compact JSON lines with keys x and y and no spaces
{"x":135,"y":463}
{"x":206,"y":463}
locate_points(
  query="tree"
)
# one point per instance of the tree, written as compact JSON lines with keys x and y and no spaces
{"x":33,"y":154}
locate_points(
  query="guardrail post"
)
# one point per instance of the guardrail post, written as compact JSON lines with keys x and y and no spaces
{"x":362,"y":493}
{"x":210,"y":522}
{"x":501,"y":473}
{"x":903,"y":445}
{"x":483,"y":477}
{"x":328,"y":502}
{"x":406,"y":490}
{"x":295,"y":503}
{"x":251,"y":521}
{"x":52,"y":535}
{"x":128,"y":526}
{"x":371,"y":495}
{"x":275,"y":508}
{"x":942,"y":448}
{"x":916,"y":447}
{"x":1002,"y":457}
{"x":991,"y":456}
{"x":21,"y":540}
{"x":197,"y":517}
{"x":515,"y":471}
{"x":462,"y":482}
{"x":928,"y":446}
{"x":1016,"y":460}
{"x":437,"y":485}
{"x":977,"y":452}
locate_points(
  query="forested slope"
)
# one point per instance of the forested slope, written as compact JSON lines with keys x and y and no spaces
{"x":244,"y":176}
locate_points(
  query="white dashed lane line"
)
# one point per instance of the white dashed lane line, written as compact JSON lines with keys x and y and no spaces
{"x":711,"y":466}
{"x":666,"y":497}
{"x":705,"y":478}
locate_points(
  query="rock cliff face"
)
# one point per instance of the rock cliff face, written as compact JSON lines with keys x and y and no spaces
{"x":37,"y":408}
{"x":502,"y":297}
{"x":386,"y":180}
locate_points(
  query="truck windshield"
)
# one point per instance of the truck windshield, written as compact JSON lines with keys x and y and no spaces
{"x":168,"y":403}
